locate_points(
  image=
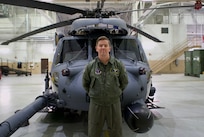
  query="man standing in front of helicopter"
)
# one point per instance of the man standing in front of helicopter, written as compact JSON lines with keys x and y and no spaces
{"x":104,"y":80}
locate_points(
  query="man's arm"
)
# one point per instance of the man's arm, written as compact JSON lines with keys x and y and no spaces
{"x":86,"y":79}
{"x":123,"y":78}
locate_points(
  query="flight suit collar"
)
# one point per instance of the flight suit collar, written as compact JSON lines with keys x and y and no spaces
{"x":111,"y":60}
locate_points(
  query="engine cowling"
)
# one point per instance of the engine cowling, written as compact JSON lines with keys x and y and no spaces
{"x":138,"y":117}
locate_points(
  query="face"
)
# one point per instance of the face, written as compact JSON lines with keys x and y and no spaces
{"x":103,"y":48}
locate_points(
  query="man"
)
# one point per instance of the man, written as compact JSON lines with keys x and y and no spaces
{"x":104,"y":80}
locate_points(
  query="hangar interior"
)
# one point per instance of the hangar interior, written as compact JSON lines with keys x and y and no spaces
{"x":180,"y":29}
{"x":179,"y":95}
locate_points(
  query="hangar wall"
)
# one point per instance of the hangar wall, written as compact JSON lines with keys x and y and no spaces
{"x":31,"y":51}
{"x":185,"y":30}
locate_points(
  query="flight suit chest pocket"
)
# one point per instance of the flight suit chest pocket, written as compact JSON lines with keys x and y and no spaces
{"x":112,"y":80}
{"x":93,"y":78}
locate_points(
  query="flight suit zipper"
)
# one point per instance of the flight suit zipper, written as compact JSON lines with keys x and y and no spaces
{"x":104,"y":74}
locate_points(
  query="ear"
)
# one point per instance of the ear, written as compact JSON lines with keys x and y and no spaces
{"x":109,"y":48}
{"x":96,"y":48}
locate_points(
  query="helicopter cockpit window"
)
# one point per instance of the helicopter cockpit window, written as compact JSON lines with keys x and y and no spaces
{"x":126,"y":49}
{"x":75,"y":49}
{"x":94,"y":53}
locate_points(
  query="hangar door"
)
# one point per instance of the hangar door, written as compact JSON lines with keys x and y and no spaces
{"x":44,"y":65}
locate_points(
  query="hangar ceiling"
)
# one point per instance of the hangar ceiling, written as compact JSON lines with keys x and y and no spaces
{"x":18,"y":27}
{"x":59,"y":1}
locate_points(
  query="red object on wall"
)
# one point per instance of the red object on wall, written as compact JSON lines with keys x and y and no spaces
{"x":203,"y":38}
{"x":198,"y":5}
{"x":0,"y":74}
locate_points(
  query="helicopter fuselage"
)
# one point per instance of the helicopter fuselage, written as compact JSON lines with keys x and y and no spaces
{"x":74,"y":53}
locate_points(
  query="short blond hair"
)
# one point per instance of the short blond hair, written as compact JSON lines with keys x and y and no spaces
{"x":102,"y":38}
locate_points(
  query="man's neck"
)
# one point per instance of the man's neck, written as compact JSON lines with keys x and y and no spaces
{"x":104,"y":60}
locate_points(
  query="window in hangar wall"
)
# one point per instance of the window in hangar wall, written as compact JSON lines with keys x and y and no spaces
{"x":195,"y":34}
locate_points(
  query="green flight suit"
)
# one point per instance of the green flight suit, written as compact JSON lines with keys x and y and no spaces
{"x":104,"y":85}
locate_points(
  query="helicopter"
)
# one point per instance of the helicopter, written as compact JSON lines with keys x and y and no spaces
{"x":75,"y":51}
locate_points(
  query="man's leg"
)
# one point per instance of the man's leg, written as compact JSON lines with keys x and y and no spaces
{"x":114,"y":120}
{"x":95,"y":120}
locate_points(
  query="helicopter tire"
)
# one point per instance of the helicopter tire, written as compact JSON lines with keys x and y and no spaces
{"x":139,"y":118}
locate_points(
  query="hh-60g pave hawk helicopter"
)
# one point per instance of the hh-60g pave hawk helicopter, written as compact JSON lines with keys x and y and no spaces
{"x":78,"y":49}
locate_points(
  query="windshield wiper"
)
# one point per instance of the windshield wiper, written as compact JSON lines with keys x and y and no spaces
{"x":122,"y":52}
{"x":77,"y":55}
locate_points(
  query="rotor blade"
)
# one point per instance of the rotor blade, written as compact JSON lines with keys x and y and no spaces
{"x":53,"y":26}
{"x":43,"y":5}
{"x":144,"y":33}
{"x":165,"y":7}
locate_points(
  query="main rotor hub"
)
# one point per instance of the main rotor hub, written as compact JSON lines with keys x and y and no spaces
{"x":85,"y":26}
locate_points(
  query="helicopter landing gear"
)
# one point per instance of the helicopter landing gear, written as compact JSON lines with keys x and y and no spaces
{"x":150,"y":99}
{"x":151,"y":94}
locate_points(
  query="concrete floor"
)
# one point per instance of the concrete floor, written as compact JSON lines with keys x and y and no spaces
{"x":182,"y":96}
